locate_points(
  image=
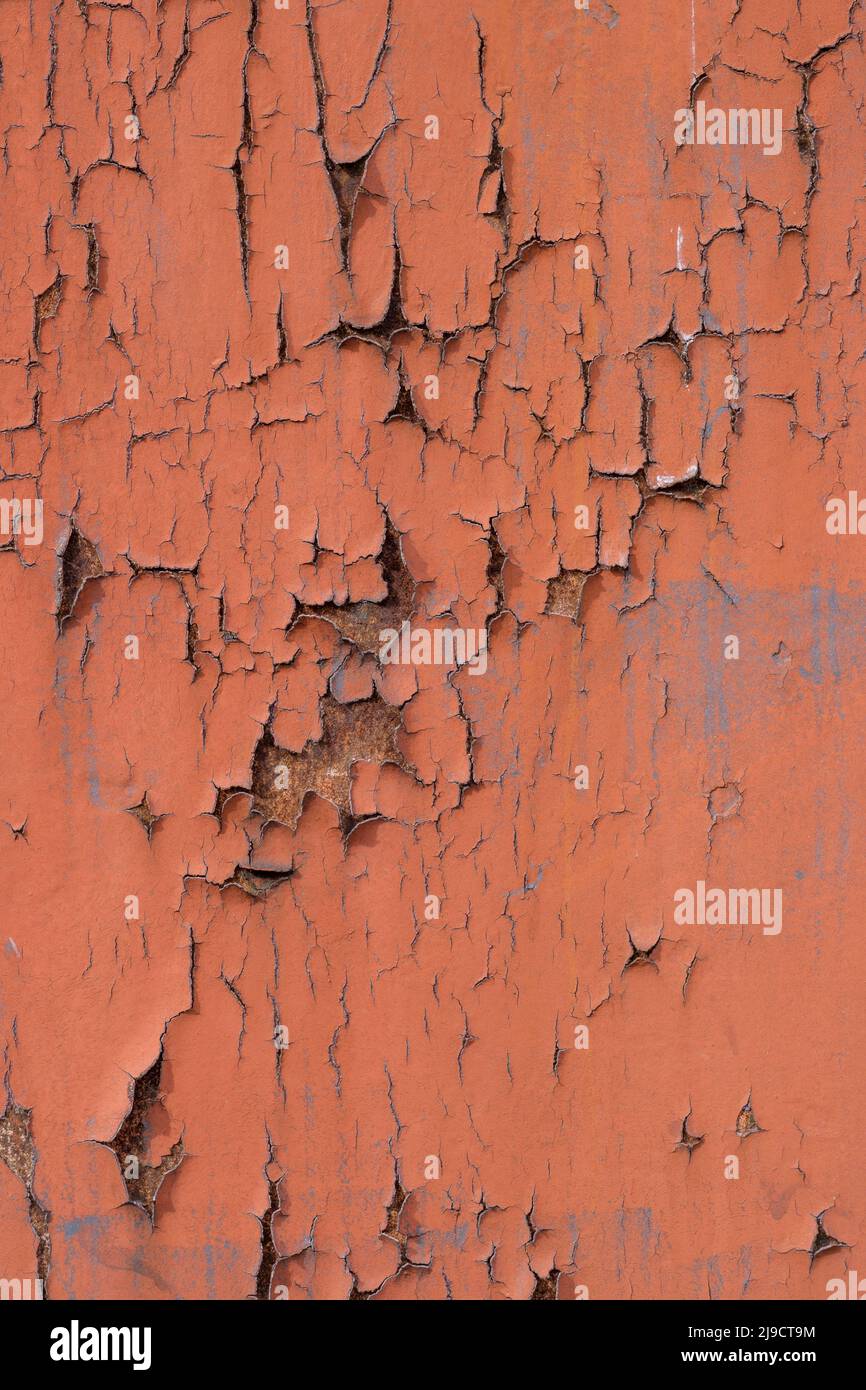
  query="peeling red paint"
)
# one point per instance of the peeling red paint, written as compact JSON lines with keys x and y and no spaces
{"x":328,"y":973}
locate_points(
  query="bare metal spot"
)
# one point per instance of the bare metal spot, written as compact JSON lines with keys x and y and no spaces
{"x":362,"y":732}
{"x":80,"y":563}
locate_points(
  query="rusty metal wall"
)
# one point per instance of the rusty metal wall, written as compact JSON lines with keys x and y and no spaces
{"x":432,"y":655}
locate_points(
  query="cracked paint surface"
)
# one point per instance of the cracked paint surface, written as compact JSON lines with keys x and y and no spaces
{"x":328,"y":977}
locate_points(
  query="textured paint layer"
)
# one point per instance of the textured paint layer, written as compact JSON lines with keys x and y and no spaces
{"x":424,"y":635}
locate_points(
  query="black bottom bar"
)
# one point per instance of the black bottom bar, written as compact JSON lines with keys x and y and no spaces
{"x":178,"y":1338}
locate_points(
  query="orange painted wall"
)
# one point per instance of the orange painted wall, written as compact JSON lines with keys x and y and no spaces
{"x":324,"y":975}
